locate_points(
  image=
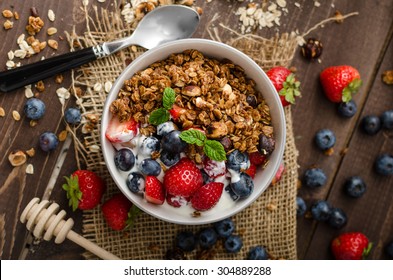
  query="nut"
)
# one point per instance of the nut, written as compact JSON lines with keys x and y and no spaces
{"x":216,"y":130}
{"x":7,"y":14}
{"x":40,"y":86}
{"x":312,"y":49}
{"x":59,"y":79}
{"x":387,"y":77}
{"x":63,"y":135}
{"x":8,"y":24}
{"x":51,"y":31}
{"x":2,"y":112}
{"x":30,"y":152}
{"x":16,"y":115}
{"x":53,"y":44}
{"x":17,"y":158}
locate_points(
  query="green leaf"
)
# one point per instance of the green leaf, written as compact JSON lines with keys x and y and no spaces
{"x":214,"y":150}
{"x":73,"y":192}
{"x":132,"y":215}
{"x":193,"y":136}
{"x":168,"y":98}
{"x":159,"y":116}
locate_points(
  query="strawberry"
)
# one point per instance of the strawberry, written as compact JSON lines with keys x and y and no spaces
{"x":214,"y":168}
{"x":285,"y":83}
{"x":351,"y":246}
{"x":116,"y":211}
{"x":84,"y":189}
{"x":183,"y":178}
{"x":154,"y":190}
{"x":120,"y":132}
{"x":252,"y":170}
{"x":207,"y":196}
{"x":340,"y":82}
{"x":176,"y":112}
{"x":176,"y":201}
{"x":279,"y":173}
{"x":257,"y":158}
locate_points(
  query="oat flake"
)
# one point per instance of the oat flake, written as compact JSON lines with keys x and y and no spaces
{"x":16,"y":115}
{"x":51,"y":15}
{"x":29,"y":169}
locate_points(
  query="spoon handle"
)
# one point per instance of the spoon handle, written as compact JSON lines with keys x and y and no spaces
{"x":34,"y":72}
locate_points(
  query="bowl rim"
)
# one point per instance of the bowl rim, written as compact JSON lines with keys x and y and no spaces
{"x":191,"y":43}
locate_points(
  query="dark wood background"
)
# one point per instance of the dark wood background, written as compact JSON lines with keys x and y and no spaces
{"x":364,"y":41}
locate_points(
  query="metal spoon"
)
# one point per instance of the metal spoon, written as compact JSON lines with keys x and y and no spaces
{"x":163,"y":24}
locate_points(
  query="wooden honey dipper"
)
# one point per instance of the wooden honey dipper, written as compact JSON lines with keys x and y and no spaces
{"x":43,"y":221}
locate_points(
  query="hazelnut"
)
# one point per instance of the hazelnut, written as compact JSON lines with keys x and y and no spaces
{"x":216,"y":130}
{"x":312,"y":49}
{"x":17,"y":158}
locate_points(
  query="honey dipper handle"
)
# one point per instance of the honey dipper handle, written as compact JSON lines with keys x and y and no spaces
{"x":90,"y":246}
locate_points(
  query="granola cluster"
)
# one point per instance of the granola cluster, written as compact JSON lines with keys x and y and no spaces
{"x":215,"y":96}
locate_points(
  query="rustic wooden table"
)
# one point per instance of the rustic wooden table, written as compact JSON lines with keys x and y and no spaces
{"x":364,"y":41}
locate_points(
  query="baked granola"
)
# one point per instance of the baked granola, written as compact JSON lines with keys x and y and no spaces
{"x":217,"y":97}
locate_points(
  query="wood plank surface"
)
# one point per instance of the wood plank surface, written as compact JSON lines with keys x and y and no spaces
{"x":364,"y":41}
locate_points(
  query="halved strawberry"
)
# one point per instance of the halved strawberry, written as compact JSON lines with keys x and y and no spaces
{"x":207,"y":196}
{"x":176,"y":201}
{"x":176,"y":111}
{"x":154,"y":190}
{"x":252,"y":170}
{"x":120,"y":132}
{"x":214,"y":168}
{"x":257,"y":158}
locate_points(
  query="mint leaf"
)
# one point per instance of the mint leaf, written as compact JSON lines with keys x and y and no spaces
{"x":193,"y":136}
{"x":214,"y":150}
{"x":159,"y":116}
{"x":168,"y":98}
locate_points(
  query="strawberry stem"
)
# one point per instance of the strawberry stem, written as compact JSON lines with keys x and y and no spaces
{"x":291,"y":89}
{"x":73,"y":192}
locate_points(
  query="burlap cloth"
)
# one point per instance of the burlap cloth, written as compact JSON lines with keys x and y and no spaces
{"x":270,"y":221}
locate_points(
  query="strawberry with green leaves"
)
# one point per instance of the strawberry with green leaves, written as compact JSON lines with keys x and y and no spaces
{"x":285,"y":83}
{"x":119,"y":213}
{"x":340,"y":82}
{"x":84,"y":189}
{"x":351,"y":246}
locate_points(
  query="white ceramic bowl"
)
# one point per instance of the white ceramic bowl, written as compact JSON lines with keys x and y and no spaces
{"x":216,"y":50}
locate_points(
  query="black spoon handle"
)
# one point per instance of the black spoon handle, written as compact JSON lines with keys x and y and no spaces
{"x":31,"y":73}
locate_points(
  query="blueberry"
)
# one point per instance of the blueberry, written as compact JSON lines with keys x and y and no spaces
{"x":207,"y":238}
{"x":257,"y":253}
{"x":242,"y":187}
{"x":238,"y":161}
{"x":124,"y":159}
{"x":314,"y":178}
{"x":135,"y":182}
{"x":387,"y":119}
{"x":266,"y":144}
{"x":186,"y":241}
{"x":384,"y":164}
{"x":149,"y":166}
{"x":337,"y":219}
{"x":225,"y":227}
{"x":301,"y":206}
{"x":321,"y":210}
{"x":371,"y":124}
{"x":34,"y":108}
{"x":168,"y":158}
{"x":389,"y":250}
{"x":355,"y":187}
{"x":252,"y":100}
{"x":73,"y":115}
{"x":48,"y":141}
{"x":325,"y":139}
{"x":347,"y":109}
{"x":205,"y":176}
{"x":233,"y":244}
{"x":172,"y":143}
{"x":165,"y":128}
{"x":149,"y":145}
{"x":229,"y":190}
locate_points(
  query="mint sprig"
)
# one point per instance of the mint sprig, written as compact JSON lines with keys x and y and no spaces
{"x":162,"y":115}
{"x":212,"y":148}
